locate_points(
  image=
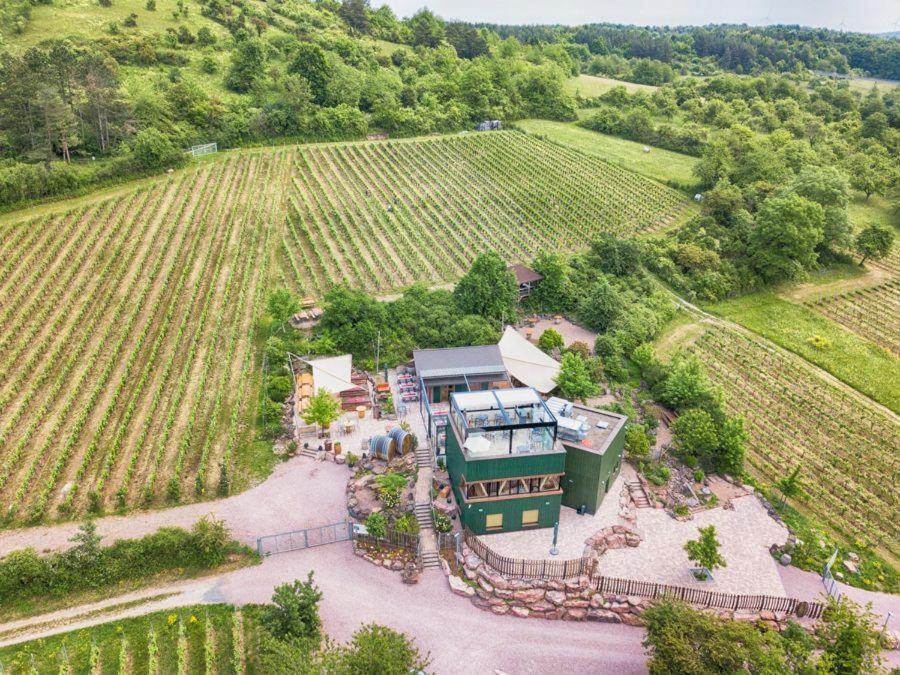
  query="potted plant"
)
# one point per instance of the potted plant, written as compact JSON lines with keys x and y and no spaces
{"x":705,"y":552}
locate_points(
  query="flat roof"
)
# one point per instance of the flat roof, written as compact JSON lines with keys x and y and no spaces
{"x":598,"y":437}
{"x":459,"y":361}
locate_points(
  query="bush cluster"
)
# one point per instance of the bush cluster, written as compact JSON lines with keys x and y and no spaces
{"x":25,"y":575}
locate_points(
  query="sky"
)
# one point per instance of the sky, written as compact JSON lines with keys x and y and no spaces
{"x":867,"y":16}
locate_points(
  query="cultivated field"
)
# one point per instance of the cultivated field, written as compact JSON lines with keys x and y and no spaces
{"x":380,"y":216}
{"x":872,"y":312}
{"x":198,"y":639}
{"x":658,"y":164}
{"x":126,"y":323}
{"x":126,"y":341}
{"x":846,"y":446}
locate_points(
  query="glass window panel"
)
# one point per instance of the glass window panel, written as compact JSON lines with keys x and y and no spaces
{"x":530,"y":517}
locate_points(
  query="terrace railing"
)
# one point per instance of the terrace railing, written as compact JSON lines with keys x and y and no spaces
{"x":562,"y":569}
{"x":528,"y":569}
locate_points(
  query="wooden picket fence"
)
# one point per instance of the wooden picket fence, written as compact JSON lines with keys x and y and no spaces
{"x":528,"y":569}
{"x":564,"y":569}
{"x":391,"y":540}
{"x":707,"y":598}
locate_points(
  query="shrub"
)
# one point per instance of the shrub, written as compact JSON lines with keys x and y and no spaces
{"x":442,"y":522}
{"x":378,"y":649}
{"x":294,"y":612}
{"x":352,"y":459}
{"x":376,"y":524}
{"x":153,"y":150}
{"x":406,"y":524}
{"x":550,"y":339}
{"x":637,"y":445}
{"x":25,"y":576}
{"x":819,"y":342}
{"x":279,"y":387}
{"x":390,"y":487}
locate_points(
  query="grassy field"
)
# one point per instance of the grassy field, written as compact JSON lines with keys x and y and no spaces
{"x":194,"y":639}
{"x":590,"y":86}
{"x":860,"y":363}
{"x":661,"y":165}
{"x":864,"y":84}
{"x":88,"y":19}
{"x":381,"y":216}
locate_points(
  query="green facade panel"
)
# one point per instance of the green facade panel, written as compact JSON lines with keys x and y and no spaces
{"x":474,"y":515}
{"x":589,"y":475}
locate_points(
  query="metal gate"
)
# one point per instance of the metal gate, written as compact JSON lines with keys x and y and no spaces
{"x":828,"y":580}
{"x":300,"y":539}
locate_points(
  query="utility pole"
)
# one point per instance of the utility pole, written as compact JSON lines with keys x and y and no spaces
{"x":377,"y":350}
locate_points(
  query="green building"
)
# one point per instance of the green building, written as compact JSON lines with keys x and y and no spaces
{"x":514,"y":460}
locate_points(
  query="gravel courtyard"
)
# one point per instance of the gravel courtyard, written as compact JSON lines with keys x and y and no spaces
{"x":745,"y":534}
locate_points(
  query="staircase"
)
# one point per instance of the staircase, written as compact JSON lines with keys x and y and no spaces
{"x":428,"y":549}
{"x":423,"y":457}
{"x":638,"y":494}
{"x":423,"y":515}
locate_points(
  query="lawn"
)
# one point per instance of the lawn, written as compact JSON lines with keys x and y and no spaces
{"x":590,"y":86}
{"x":850,"y":358}
{"x":662,"y":165}
{"x":87,"y":19}
{"x":864,"y":212}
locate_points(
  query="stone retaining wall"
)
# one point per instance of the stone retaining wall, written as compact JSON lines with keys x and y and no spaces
{"x":575,"y":599}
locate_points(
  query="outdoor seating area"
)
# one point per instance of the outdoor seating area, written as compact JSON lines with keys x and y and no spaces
{"x":408,"y":385}
{"x":508,"y":421}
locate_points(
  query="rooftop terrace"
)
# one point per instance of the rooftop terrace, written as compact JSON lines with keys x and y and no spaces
{"x":502,"y":422}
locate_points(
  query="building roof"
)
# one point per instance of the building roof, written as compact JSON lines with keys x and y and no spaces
{"x":528,"y":364}
{"x":603,"y":426}
{"x":459,"y":361}
{"x":332,"y":373}
{"x":524,"y":274}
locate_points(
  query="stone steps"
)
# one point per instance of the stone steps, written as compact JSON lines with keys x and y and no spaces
{"x":423,"y":515}
{"x":423,"y":457}
{"x":638,"y":495}
{"x":430,"y":559}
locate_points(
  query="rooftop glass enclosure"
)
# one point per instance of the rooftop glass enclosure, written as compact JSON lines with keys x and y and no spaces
{"x":502,"y":422}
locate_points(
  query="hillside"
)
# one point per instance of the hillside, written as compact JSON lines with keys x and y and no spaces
{"x":127,"y":372}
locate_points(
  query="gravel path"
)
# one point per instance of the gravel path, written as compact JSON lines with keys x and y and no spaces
{"x":460,"y":638}
{"x":300,"y":493}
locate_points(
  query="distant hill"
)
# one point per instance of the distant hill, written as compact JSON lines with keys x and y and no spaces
{"x":894,"y":35}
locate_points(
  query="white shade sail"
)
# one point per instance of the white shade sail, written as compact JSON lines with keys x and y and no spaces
{"x":528,"y":364}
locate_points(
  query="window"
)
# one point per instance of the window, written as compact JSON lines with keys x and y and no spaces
{"x":530,"y":517}
{"x":493,"y":521}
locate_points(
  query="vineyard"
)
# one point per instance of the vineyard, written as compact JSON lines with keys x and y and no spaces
{"x":199,"y":639}
{"x":847,"y":447}
{"x":381,"y":216}
{"x":872,"y":312}
{"x":126,"y":341}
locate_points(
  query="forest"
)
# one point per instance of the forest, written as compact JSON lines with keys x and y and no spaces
{"x":92,"y":106}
